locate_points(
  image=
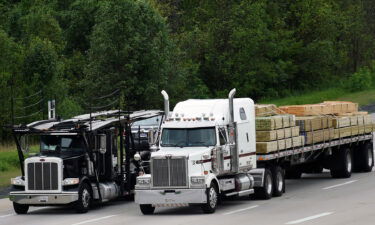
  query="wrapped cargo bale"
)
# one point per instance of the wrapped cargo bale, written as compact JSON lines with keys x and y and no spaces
{"x":274,"y":122}
{"x":294,"y":142}
{"x":339,"y":122}
{"x":342,"y":106}
{"x":317,"y":136}
{"x":311,"y":123}
{"x":265,"y":110}
{"x":349,"y":131}
{"x":354,"y":130}
{"x":370,"y":128}
{"x":277,"y":134}
{"x":364,"y":119}
{"x":307,"y":110}
{"x":360,"y":113}
{"x":271,"y":146}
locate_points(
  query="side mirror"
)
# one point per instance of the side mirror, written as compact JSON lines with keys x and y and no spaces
{"x":25,"y":147}
{"x":102,"y":144}
{"x":151,"y":137}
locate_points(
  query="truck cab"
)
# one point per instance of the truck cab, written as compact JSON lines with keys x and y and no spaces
{"x":207,"y":149}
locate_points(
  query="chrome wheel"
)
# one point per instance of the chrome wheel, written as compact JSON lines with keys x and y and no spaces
{"x":213,"y":197}
{"x":370,"y":157}
{"x":85,"y":198}
{"x":280,"y":182}
{"x":269,"y":184}
{"x":348,"y":162}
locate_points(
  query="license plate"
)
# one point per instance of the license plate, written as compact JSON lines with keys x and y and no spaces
{"x":43,"y":198}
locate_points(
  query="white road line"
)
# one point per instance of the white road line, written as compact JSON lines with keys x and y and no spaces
{"x":240,"y":210}
{"x":338,"y":185}
{"x":309,"y":218}
{"x":94,"y":220}
{"x":7,"y":215}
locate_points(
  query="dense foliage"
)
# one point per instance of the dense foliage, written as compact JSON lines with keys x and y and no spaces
{"x":74,"y":50}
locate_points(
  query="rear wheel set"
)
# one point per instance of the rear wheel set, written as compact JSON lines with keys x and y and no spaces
{"x":363,"y":158}
{"x":273,"y":184}
{"x":342,"y":163}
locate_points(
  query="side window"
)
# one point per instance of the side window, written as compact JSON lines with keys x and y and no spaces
{"x":242,"y":114}
{"x":222,"y":136}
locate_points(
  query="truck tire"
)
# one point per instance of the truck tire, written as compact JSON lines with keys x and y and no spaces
{"x":278,"y":181}
{"x":342,"y":164}
{"x":84,"y":199}
{"x":212,"y":199}
{"x":365,"y":157}
{"x":266,"y":191}
{"x":147,"y":209}
{"x":20,"y":209}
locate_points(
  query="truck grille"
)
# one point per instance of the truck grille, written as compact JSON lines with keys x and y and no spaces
{"x":42,"y":176}
{"x":171,"y":172}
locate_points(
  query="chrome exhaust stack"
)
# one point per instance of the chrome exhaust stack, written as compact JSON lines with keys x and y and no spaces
{"x":233,"y":134}
{"x":230,"y":97}
{"x":166,"y":103}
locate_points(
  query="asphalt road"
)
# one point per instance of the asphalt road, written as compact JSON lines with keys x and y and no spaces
{"x":314,"y":199}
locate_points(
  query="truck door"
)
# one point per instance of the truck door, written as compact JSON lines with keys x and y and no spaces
{"x":224,"y":146}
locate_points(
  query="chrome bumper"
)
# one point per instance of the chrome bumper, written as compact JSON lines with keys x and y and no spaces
{"x":170,"y":197}
{"x":61,"y":198}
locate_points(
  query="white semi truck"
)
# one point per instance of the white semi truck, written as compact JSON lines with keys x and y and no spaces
{"x":208,"y":150}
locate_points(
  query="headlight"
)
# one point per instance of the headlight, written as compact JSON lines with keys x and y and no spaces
{"x":198,"y":182}
{"x":17,"y":181}
{"x":143,"y":182}
{"x":70,"y":181}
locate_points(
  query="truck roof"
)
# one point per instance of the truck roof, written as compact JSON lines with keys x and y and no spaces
{"x":209,"y":111}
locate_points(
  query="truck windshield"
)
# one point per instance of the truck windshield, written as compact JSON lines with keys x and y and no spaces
{"x":196,"y":137}
{"x":154,"y":121}
{"x":61,"y":143}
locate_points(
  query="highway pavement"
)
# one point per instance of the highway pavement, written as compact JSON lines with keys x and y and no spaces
{"x":314,"y":199}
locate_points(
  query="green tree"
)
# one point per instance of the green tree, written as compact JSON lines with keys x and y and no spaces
{"x":130,"y":51}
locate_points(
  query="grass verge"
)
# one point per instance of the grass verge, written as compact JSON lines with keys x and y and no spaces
{"x":5,"y":176}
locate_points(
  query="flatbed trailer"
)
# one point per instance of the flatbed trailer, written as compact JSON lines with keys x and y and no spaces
{"x":314,"y":148}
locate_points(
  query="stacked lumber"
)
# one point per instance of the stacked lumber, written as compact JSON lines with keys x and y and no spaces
{"x":325,"y":108}
{"x":265,"y":110}
{"x":272,"y":135}
{"x":311,"y":123}
{"x":274,"y":122}
{"x":329,"y":120}
{"x":339,"y":107}
{"x":278,"y":145}
{"x":276,"y":133}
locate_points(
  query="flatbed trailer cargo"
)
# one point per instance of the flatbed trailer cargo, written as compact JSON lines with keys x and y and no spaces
{"x":208,"y":150}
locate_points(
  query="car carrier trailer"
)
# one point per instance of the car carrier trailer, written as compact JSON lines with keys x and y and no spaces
{"x":207,"y":150}
{"x":88,"y":158}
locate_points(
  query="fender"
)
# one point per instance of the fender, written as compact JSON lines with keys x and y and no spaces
{"x":84,"y":179}
{"x":209,"y":178}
